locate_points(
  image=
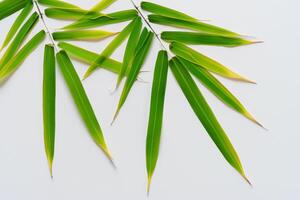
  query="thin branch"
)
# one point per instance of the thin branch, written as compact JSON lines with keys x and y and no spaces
{"x":149,"y":25}
{"x":44,"y":23}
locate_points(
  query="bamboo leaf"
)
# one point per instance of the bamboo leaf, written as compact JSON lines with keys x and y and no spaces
{"x":81,"y":100}
{"x":206,"y":115}
{"x":203,"y":39}
{"x":89,"y":57}
{"x":9,"y":7}
{"x":195,"y":26}
{"x":143,"y":48}
{"x":19,"y":39}
{"x":49,"y":93}
{"x":102,"y":5}
{"x":195,"y":57}
{"x":72,"y":14}
{"x":167,"y":12}
{"x":112,"y":18}
{"x":18,"y":59}
{"x":82,"y":35}
{"x":108,"y":51}
{"x":130,"y":49}
{"x":217,"y":88}
{"x":58,"y":4}
{"x":156,"y":113}
{"x":16,"y":25}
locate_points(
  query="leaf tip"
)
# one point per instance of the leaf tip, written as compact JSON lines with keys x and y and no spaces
{"x":149,"y":184}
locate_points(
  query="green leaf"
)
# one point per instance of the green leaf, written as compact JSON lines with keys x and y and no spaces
{"x":89,"y":57}
{"x":13,"y":64}
{"x":81,"y":100}
{"x":57,"y":4}
{"x":19,"y":39}
{"x":142,"y":50}
{"x":82,"y":35}
{"x":16,"y":25}
{"x":9,"y":7}
{"x":49,"y":93}
{"x":206,"y":115}
{"x":156,"y":113}
{"x":203,"y":39}
{"x":72,"y":14}
{"x":130,"y":49}
{"x":102,"y":5}
{"x":195,"y":26}
{"x":108,"y":51}
{"x":195,"y":57}
{"x":112,"y":18}
{"x":217,"y":88}
{"x":165,"y":11}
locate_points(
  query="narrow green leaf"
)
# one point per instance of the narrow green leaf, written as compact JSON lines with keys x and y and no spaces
{"x":19,"y":39}
{"x":82,"y":35}
{"x":112,"y":18}
{"x":196,"y":26}
{"x":81,"y":100}
{"x":17,"y":24}
{"x":206,"y":115}
{"x":13,"y":64}
{"x":143,"y":48}
{"x":217,"y":88}
{"x":203,"y":39}
{"x":193,"y":56}
{"x":108,"y":51}
{"x":72,"y":14}
{"x":49,"y":93}
{"x":130,"y":49}
{"x":58,"y":4}
{"x":165,"y":11}
{"x":102,"y":5}
{"x":9,"y":7}
{"x":156,"y":113}
{"x":89,"y":57}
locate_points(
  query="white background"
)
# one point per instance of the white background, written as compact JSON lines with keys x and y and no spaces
{"x":190,"y":166}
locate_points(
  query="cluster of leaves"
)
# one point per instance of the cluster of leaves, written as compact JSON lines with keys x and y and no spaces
{"x":185,"y":64}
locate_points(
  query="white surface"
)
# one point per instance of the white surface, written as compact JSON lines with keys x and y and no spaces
{"x":190,"y":166}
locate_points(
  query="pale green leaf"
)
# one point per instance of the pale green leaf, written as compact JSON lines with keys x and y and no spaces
{"x":193,"y":56}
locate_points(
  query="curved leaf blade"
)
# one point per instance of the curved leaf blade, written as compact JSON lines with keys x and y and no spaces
{"x":71,"y":13}
{"x":49,"y":93}
{"x":102,"y":5}
{"x":206,"y":115}
{"x":58,"y":4}
{"x":13,"y":64}
{"x":143,"y":48}
{"x":217,"y":88}
{"x":19,"y":39}
{"x":156,"y":113}
{"x":17,"y":24}
{"x":130,"y":49}
{"x":193,"y":56}
{"x":9,"y":7}
{"x":165,"y":11}
{"x":113,"y":18}
{"x":81,"y":100}
{"x":108,"y":51}
{"x":195,"y":26}
{"x":204,"y":39}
